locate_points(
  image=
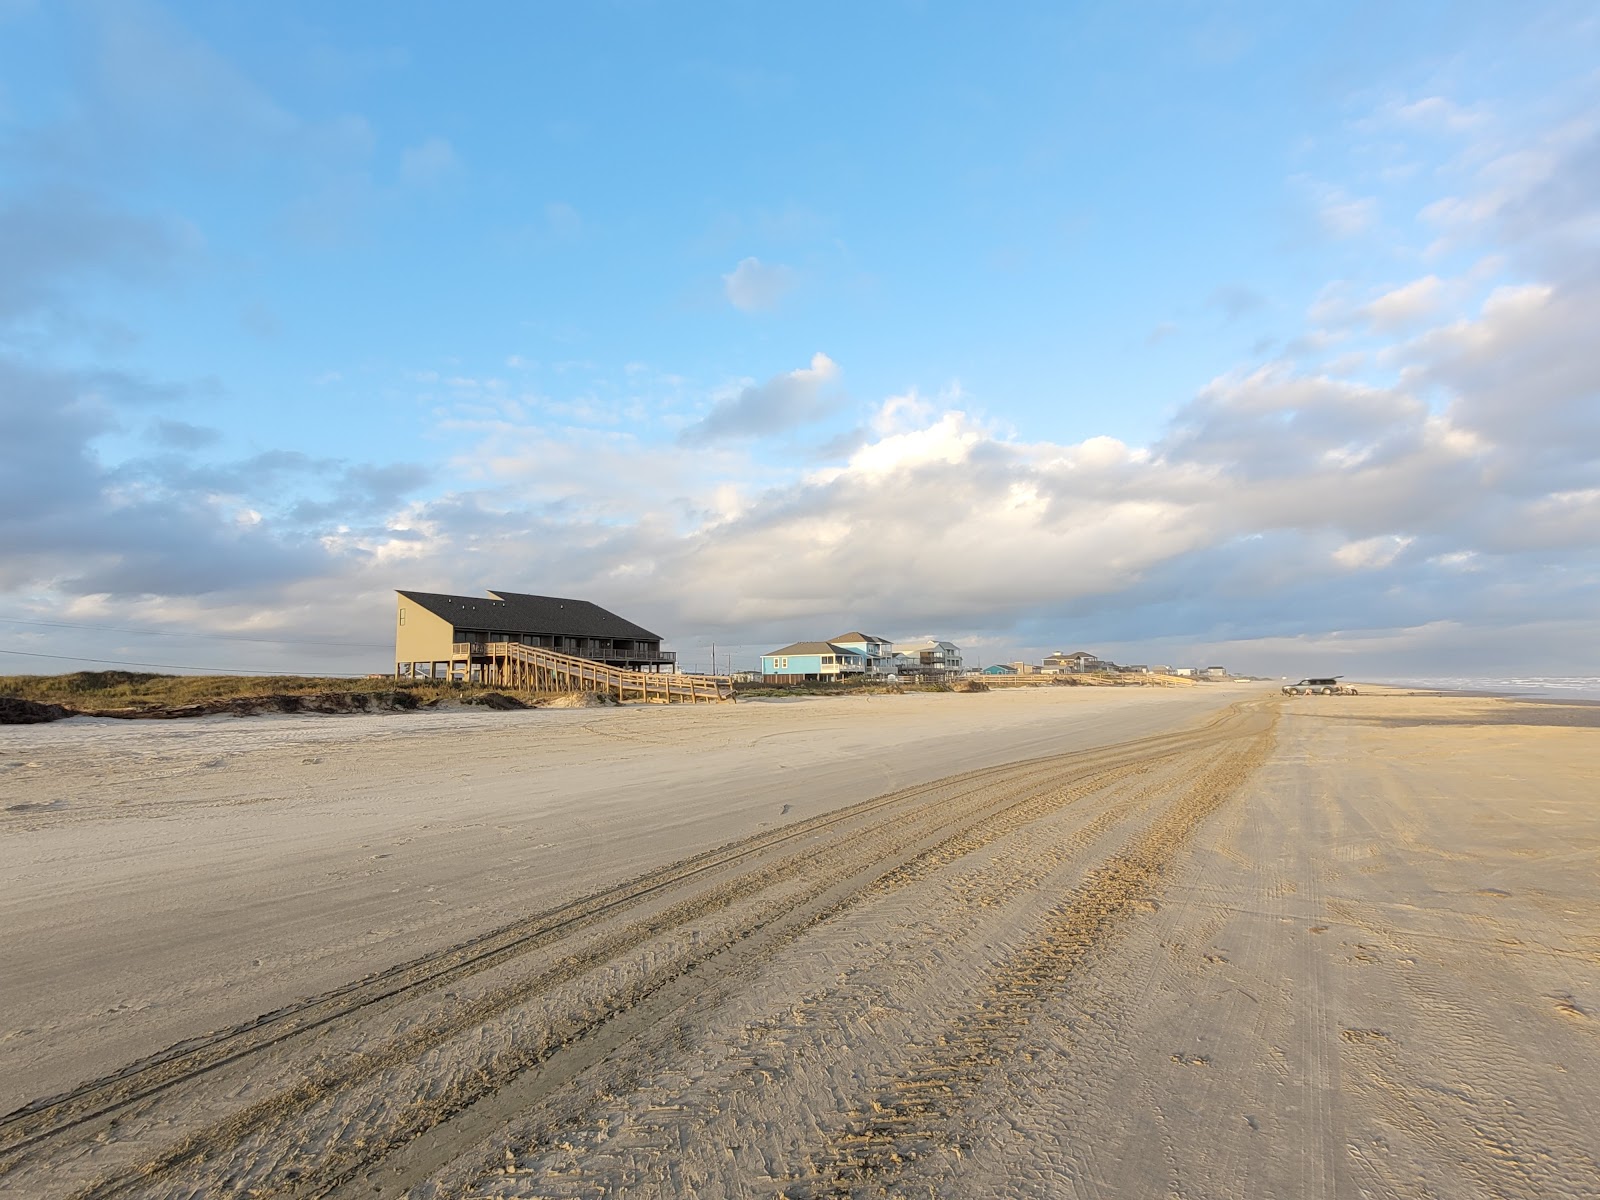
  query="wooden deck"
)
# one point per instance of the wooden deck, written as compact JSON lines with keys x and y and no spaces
{"x":532,"y":669}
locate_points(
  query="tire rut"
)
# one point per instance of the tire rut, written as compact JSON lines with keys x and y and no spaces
{"x":47,"y":1118}
{"x":921,"y":1116}
{"x":890,"y":841}
{"x":961,"y":889}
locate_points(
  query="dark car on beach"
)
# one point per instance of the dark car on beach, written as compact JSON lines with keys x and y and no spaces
{"x":1316,"y":687}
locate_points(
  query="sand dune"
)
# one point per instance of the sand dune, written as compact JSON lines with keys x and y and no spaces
{"x":1210,"y":942}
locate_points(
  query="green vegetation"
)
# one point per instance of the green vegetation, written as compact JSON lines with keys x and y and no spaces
{"x":133,"y":689}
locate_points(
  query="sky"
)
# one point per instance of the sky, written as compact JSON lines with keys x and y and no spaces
{"x":1253,"y":334}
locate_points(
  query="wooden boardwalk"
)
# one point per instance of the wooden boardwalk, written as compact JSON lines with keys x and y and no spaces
{"x":532,"y":669}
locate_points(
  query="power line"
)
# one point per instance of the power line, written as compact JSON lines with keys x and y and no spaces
{"x":112,"y":662}
{"x":224,"y":637}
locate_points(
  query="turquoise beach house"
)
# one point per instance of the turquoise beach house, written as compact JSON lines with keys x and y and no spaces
{"x":811,"y":662}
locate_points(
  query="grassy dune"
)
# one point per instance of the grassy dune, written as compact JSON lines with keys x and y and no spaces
{"x":134,"y":689}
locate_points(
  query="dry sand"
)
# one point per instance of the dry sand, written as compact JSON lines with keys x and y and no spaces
{"x":1208,"y":942}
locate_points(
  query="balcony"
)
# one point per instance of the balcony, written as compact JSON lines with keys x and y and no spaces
{"x":645,"y":656}
{"x":594,"y":651}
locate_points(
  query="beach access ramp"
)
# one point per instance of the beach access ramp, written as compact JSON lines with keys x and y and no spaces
{"x":516,"y":667}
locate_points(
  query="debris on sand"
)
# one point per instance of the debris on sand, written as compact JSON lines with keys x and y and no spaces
{"x":16,"y":711}
{"x":498,"y":701}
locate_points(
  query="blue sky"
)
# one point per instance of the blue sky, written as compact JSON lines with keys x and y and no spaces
{"x":1252,"y":332}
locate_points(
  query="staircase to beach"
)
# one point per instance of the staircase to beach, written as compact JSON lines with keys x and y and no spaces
{"x":532,"y":669}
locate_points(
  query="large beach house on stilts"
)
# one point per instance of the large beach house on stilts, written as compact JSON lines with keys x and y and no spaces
{"x":539,"y":643}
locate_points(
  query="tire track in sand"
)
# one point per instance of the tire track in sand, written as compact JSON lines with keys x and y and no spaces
{"x":787,"y":1059}
{"x":47,"y":1118}
{"x":888,"y":831}
{"x":919,"y":1121}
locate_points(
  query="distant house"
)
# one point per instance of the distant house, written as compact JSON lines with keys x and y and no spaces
{"x":998,"y":669}
{"x":878,"y":652}
{"x":811,"y":662}
{"x":449,"y":637}
{"x":1077,"y":661}
{"x":1025,"y":668}
{"x":1161,"y":669}
{"x":1215,"y":673}
{"x":1184,"y":671}
{"x":932,"y":659}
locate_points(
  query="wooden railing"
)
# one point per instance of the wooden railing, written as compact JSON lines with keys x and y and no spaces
{"x":655,"y":656}
{"x":479,"y":649}
{"x":535,"y":669}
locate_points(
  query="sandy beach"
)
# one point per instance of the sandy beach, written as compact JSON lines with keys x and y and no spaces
{"x":1200,"y":942}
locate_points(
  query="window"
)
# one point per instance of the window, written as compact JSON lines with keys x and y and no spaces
{"x":402,"y":616}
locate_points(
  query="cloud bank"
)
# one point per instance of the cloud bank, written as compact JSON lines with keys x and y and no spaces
{"x":1278,"y":504}
{"x":1428,"y":497}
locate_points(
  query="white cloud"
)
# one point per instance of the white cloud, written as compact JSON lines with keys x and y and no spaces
{"x":1270,"y":503}
{"x":1407,"y":304}
{"x":783,"y":402}
{"x":1438,"y":112}
{"x":1346,"y":216}
{"x":1456,"y":212}
{"x":1370,"y":554}
{"x":429,"y":162}
{"x":1272,"y":500}
{"x":1528,"y":189}
{"x":947,"y":441}
{"x":564,"y":222}
{"x":753,"y":285}
{"x":1337,"y":212}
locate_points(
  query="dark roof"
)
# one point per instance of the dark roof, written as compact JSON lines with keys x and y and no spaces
{"x":811,"y":648}
{"x":858,"y":636}
{"x":515,"y":612}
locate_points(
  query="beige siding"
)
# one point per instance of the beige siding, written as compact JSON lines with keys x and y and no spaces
{"x":419,"y":636}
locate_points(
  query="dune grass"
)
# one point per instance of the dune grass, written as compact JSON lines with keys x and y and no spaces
{"x":133,"y":689}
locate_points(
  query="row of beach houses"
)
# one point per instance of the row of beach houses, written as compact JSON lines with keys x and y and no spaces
{"x":467,"y":638}
{"x":856,"y":654}
{"x":1081,"y":662}
{"x":862,"y":655}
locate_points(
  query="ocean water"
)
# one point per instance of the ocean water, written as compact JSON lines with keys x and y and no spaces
{"x":1569,"y":687}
